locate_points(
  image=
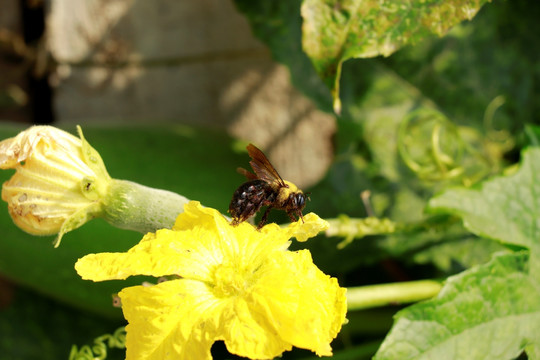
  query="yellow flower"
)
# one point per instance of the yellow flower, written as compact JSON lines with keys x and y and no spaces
{"x":58,"y":183}
{"x":235,"y":284}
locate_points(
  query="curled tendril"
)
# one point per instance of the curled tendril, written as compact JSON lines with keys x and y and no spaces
{"x":501,"y":136}
{"x":430,"y":145}
{"x":98,"y":351}
{"x":437,"y":150}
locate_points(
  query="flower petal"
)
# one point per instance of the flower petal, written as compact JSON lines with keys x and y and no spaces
{"x":19,"y":148}
{"x":305,"y":307}
{"x":172,"y":320}
{"x":214,"y":241}
{"x":239,"y":285}
{"x":310,"y":227}
{"x":201,"y":240}
{"x":196,"y":215}
{"x":247,"y":333}
{"x":166,"y":252}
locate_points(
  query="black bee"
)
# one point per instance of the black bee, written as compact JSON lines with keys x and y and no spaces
{"x":265,"y":188}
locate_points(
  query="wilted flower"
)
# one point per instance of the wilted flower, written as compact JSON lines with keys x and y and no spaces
{"x":234,"y":284}
{"x":58,"y":183}
{"x":61,"y":182}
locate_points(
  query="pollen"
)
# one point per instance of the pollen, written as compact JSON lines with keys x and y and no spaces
{"x":229,"y":281}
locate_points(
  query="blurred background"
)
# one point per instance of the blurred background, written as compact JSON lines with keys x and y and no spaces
{"x":166,"y":62}
{"x":170,"y":92}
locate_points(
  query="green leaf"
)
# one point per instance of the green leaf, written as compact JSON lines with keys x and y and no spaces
{"x":532,"y":133}
{"x":506,"y":208}
{"x":443,"y":242}
{"x":337,"y":30}
{"x":457,"y":254}
{"x":491,"y":311}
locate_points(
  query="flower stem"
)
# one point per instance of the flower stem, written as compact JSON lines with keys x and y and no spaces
{"x":364,"y":297}
{"x":132,"y":206}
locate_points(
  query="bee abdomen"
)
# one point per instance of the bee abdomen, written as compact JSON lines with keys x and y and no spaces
{"x":249,"y":198}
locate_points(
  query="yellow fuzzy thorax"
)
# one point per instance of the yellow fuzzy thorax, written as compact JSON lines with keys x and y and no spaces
{"x":285,"y":192}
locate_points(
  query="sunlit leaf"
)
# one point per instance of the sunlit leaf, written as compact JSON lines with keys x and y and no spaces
{"x":505,"y":208}
{"x":488,"y":312}
{"x":337,"y":30}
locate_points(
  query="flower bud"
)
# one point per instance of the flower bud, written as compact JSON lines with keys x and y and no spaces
{"x":59,"y":180}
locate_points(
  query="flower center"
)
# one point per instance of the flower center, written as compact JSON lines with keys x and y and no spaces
{"x":229,"y":280}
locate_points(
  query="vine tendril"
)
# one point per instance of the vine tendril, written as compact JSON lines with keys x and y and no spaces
{"x":98,"y":351}
{"x":439,"y":156}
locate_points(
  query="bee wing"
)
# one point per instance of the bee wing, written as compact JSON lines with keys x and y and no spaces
{"x":262,"y":167}
{"x":248,"y":174}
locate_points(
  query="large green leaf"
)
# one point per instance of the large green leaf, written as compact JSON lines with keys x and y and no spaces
{"x":488,"y":312}
{"x":505,"y":208}
{"x":338,"y":30}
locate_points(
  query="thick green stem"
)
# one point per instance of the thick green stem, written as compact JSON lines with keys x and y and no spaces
{"x":132,"y":206}
{"x":365,"y":297}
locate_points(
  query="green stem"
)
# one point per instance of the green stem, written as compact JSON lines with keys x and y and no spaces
{"x":370,"y":296}
{"x":132,"y":206}
{"x":352,"y":228}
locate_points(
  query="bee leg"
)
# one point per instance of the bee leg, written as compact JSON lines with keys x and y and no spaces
{"x":291,"y":216}
{"x":264,"y":217}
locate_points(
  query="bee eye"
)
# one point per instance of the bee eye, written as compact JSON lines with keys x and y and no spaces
{"x":299,"y":199}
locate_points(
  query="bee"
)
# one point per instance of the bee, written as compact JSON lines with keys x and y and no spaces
{"x":264,"y":188}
